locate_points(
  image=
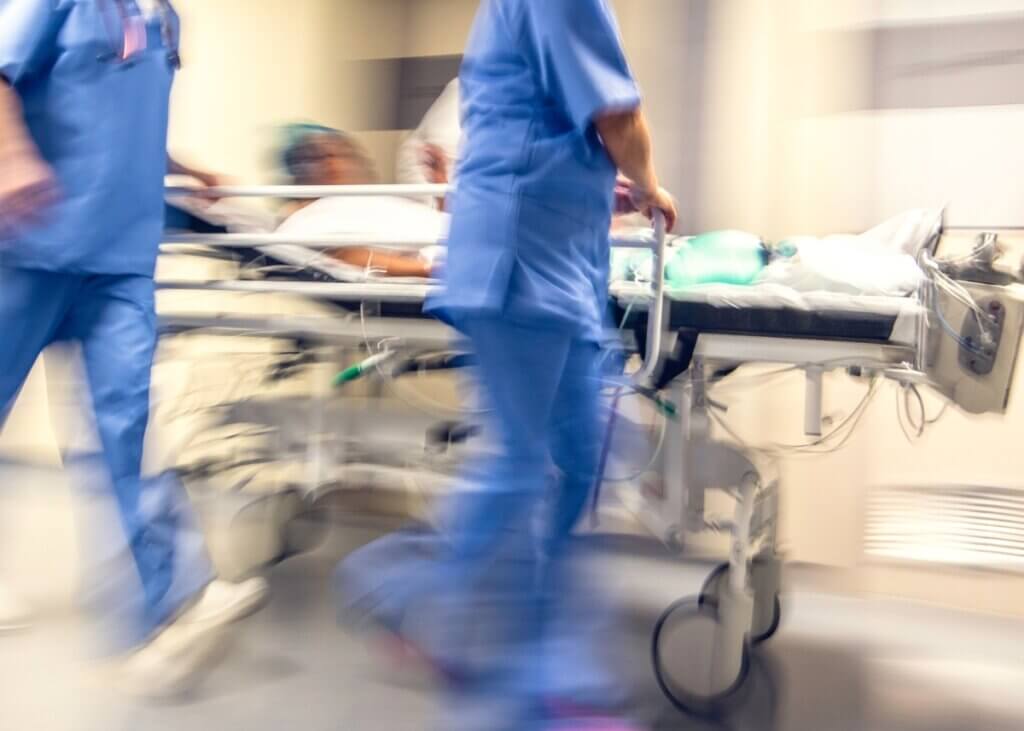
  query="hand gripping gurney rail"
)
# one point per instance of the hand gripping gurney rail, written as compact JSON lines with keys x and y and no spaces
{"x":959,"y":338}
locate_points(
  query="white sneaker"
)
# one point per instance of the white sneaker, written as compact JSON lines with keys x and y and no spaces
{"x":15,"y":614}
{"x":174,"y":661}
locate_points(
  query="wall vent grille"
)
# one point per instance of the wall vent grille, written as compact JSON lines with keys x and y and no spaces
{"x":970,"y":526}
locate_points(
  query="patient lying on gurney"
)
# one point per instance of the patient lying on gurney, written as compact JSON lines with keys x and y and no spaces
{"x":321,"y":156}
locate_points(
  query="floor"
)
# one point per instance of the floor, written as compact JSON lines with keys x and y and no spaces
{"x":837,"y":664}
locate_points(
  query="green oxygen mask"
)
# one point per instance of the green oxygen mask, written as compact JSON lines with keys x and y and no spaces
{"x":718,"y":257}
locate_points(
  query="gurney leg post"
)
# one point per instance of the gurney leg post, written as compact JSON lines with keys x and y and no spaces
{"x":812,"y":401}
{"x":316,"y":449}
{"x":735,"y":601}
{"x":707,"y":683}
{"x":766,"y":569}
{"x":697,"y":431}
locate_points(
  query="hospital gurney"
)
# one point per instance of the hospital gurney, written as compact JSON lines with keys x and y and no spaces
{"x":709,"y":333}
{"x":958,"y":338}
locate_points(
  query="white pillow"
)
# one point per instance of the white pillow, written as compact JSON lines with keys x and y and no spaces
{"x":907,"y":233}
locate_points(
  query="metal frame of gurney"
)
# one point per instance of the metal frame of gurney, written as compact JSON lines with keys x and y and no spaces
{"x":687,"y":341}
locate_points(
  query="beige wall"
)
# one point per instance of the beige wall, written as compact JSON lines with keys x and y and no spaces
{"x":776,"y":161}
{"x":249,"y":71}
{"x":438,"y":27}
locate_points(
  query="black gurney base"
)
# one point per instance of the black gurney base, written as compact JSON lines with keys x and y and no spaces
{"x":692,"y":319}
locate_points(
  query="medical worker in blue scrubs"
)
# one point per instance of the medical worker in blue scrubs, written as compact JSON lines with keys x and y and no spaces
{"x":84,"y":93}
{"x":551,"y":114}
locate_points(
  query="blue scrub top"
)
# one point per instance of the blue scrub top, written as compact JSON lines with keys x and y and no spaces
{"x":530,"y":217}
{"x":100,"y":123}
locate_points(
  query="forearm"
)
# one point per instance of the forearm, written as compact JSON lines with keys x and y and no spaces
{"x":627,"y":138}
{"x":15,"y":140}
{"x":390,"y":263}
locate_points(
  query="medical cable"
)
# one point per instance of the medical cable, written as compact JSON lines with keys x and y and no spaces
{"x":655,"y":453}
{"x":737,"y":382}
{"x":952,"y":333}
{"x":904,"y":418}
{"x":602,"y":463}
{"x":918,"y":427}
{"x":939,"y":416}
{"x":623,"y":389}
{"x":848,"y":425}
{"x":608,"y":351}
{"x":665,"y":407}
{"x":808,"y":449}
{"x":431,"y":407}
{"x":903,"y":426}
{"x":988,"y":244}
{"x":955,"y":290}
{"x":601,"y":476}
{"x":923,"y":424}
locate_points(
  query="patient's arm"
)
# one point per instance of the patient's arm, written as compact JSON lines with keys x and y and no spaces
{"x":389,"y":263}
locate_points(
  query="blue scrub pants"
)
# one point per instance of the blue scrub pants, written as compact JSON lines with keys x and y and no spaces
{"x":113,"y":319}
{"x":498,"y":596}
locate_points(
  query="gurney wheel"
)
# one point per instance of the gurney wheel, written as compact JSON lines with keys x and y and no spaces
{"x":696,"y":694}
{"x":710,"y":593}
{"x":710,"y":590}
{"x":773,"y":626}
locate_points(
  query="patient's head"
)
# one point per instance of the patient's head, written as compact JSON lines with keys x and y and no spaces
{"x":322,"y":156}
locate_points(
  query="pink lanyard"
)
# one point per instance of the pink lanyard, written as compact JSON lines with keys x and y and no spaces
{"x":135,"y":32}
{"x":135,"y":35}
